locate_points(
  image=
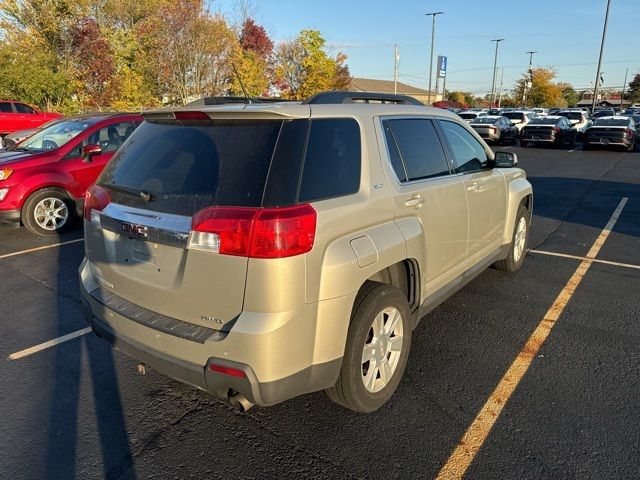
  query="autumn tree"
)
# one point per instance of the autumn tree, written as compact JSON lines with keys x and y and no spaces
{"x":543,"y":92}
{"x":252,"y":60}
{"x":304,"y":68}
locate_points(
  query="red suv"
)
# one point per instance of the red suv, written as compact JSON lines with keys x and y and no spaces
{"x":16,"y":116}
{"x":43,"y":179}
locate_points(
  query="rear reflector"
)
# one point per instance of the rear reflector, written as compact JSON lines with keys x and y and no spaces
{"x":254,"y":232}
{"x":95,"y":199}
{"x":191,"y":116}
{"x":234,"y":372}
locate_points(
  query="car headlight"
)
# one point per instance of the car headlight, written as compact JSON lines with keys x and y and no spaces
{"x":5,"y":173}
{"x":3,"y":193}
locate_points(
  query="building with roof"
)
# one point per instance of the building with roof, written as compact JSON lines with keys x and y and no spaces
{"x":387,"y":86}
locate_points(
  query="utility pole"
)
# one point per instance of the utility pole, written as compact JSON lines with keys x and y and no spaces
{"x":624,"y":87}
{"x":500,"y":90}
{"x":433,"y":34}
{"x":604,"y":34}
{"x":495,"y":62}
{"x":528,"y":82}
{"x":396,"y":58}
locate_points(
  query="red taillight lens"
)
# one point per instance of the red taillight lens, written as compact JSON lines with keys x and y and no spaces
{"x":192,"y":116}
{"x":254,"y":232}
{"x":283,"y":232}
{"x":95,"y":200}
{"x":234,"y":372}
{"x":629,"y":132}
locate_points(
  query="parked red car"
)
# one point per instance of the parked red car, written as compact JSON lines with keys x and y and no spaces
{"x":20,"y":116}
{"x":44,"y":179}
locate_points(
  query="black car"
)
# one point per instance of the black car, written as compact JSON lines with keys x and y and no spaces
{"x":611,"y":131}
{"x":550,"y":130}
{"x":495,"y":129}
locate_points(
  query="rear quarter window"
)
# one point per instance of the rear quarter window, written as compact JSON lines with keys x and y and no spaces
{"x":332,"y":161}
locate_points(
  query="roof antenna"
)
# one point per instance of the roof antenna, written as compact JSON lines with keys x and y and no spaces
{"x":244,"y":91}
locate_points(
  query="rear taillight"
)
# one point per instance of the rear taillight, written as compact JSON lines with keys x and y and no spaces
{"x":629,"y":132}
{"x":95,"y":200}
{"x":254,"y":232}
{"x":556,"y":130}
{"x":234,"y":372}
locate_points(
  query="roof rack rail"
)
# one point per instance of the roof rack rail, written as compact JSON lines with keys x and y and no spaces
{"x":324,"y":98}
{"x":201,"y":102}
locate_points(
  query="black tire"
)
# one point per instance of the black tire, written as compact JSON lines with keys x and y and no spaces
{"x":349,"y":390}
{"x":28,"y":211}
{"x":510,"y":264}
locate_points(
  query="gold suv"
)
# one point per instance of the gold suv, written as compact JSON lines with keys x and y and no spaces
{"x":263,"y":251}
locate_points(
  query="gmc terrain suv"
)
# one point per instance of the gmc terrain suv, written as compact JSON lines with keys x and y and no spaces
{"x":260,"y":252}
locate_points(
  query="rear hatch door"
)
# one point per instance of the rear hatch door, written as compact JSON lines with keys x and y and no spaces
{"x":160,"y":178}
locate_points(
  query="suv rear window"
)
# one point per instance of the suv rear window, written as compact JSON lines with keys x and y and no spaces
{"x":187,"y":166}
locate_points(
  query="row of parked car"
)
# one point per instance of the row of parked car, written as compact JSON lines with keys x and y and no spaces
{"x":557,"y":127}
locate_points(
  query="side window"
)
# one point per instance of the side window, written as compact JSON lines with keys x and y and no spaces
{"x":5,"y":107}
{"x":468,"y":154}
{"x":22,"y":108}
{"x":415,"y":149}
{"x":76,"y":152}
{"x":332,"y":160}
{"x":111,"y":137}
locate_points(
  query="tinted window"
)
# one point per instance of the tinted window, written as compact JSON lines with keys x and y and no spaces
{"x":571,"y":115}
{"x":514,"y":115}
{"x":543,"y":121}
{"x":468,"y":154}
{"x":5,"y":107}
{"x":22,"y":108}
{"x":332,"y":161}
{"x":617,"y":122}
{"x":187,"y":166}
{"x":419,"y":148}
{"x":468,"y":116}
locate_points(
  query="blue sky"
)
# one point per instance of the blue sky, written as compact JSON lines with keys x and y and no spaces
{"x":566,"y":33}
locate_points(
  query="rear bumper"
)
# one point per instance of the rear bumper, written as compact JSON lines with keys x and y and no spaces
{"x":605,"y":142}
{"x":10,"y":218}
{"x":189,"y":360}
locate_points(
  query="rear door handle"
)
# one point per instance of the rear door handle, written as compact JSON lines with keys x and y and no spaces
{"x":416,"y":201}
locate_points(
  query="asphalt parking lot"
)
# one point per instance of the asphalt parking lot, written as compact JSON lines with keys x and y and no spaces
{"x":81,"y":410}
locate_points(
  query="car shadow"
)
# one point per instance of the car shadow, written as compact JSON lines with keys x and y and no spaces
{"x":584,"y":201}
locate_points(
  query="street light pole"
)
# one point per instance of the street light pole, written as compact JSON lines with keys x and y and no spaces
{"x":495,"y":62}
{"x":604,"y":34}
{"x":433,"y":34}
{"x":624,"y":87}
{"x":528,"y":82}
{"x":396,"y":57}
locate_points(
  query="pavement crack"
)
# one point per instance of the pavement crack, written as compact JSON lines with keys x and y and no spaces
{"x":49,"y":287}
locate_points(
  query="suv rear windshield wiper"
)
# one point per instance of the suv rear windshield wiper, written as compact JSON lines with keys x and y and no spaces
{"x":132,"y":192}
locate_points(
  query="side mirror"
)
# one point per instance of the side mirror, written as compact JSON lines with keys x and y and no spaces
{"x":505,"y":159}
{"x":91,"y":150}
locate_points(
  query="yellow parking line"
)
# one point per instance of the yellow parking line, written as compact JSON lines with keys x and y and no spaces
{"x":475,"y":436}
{"x":36,"y":249}
{"x":575,"y":257}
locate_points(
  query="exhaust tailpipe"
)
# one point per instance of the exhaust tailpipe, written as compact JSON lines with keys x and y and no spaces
{"x":239,"y":402}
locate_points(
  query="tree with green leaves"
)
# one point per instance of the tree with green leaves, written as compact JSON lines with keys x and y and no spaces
{"x":543,"y":92}
{"x":633,"y":92}
{"x":304,"y":68}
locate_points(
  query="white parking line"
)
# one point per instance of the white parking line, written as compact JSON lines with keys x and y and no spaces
{"x":37,"y":249}
{"x":575,"y":257}
{"x":475,"y":436}
{"x":49,"y":344}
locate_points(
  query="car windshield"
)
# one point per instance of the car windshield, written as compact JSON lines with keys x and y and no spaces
{"x":513,"y":115}
{"x":484,"y":120}
{"x":611,"y":122}
{"x":55,"y":136}
{"x":543,"y":121}
{"x":571,"y":115}
{"x":602,"y":113}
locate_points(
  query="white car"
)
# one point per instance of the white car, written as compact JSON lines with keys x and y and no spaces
{"x":469,"y":115}
{"x":541,"y":112}
{"x":519,"y":118}
{"x":578,"y":119}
